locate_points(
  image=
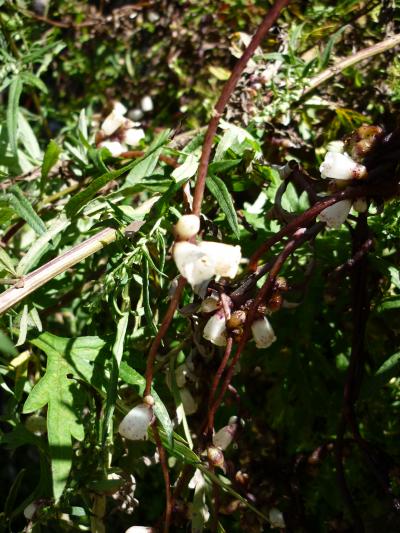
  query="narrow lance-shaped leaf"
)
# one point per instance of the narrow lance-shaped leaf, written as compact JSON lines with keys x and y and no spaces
{"x":14,"y":94}
{"x":24,"y":209}
{"x":219,"y":190}
{"x":50,"y":158}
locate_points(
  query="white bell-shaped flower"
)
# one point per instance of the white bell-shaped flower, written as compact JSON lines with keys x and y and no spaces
{"x":133,"y":136}
{"x":193,"y":263}
{"x":215,"y":329}
{"x":114,"y":147}
{"x":276,"y":519}
{"x":226,"y":257}
{"x":187,"y":227}
{"x":210,"y":304}
{"x":341,"y":167}
{"x":224,"y":437}
{"x":335,"y":146}
{"x":135,"y":424}
{"x":263,"y":334}
{"x":336,"y":214}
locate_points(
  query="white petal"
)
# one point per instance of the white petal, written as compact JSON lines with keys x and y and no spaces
{"x":140,"y":529}
{"x":215,"y":329}
{"x":224,"y":437}
{"x":276,"y":519}
{"x":119,"y":108}
{"x":146,"y":103}
{"x":341,"y":167}
{"x":194,"y":265}
{"x":187,"y":227}
{"x":225,"y":256}
{"x":112,"y":122}
{"x":115,"y":147}
{"x":335,"y":146}
{"x":133,"y":136}
{"x":30,"y":510}
{"x":336,"y":214}
{"x":263,"y":333}
{"x":135,"y":424}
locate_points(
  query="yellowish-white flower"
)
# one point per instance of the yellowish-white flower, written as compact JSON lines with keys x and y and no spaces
{"x":210,"y":304}
{"x":146,"y":103}
{"x":113,"y":121}
{"x":193,"y":263}
{"x":336,"y":214}
{"x":215,"y":329}
{"x":187,"y":227}
{"x":335,"y":146}
{"x":135,"y":424}
{"x":341,"y":167}
{"x":263,"y":334}
{"x":224,"y":437}
{"x":139,"y":529}
{"x":276,"y":519}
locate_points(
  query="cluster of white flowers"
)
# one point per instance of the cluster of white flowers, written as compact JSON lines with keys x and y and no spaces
{"x":119,"y":132}
{"x":338,"y":165}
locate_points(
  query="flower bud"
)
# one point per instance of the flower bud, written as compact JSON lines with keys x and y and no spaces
{"x":193,"y":263}
{"x":341,"y":167}
{"x":135,"y":424}
{"x":215,"y":329}
{"x":360,"y":205}
{"x":237,"y":319}
{"x":135,"y":114}
{"x":224,"y":437}
{"x":336,"y":214}
{"x":210,"y":304}
{"x":149,"y":400}
{"x":263,"y":333}
{"x":187,"y":227}
{"x":146,"y":103}
{"x":226,"y":257}
{"x":215,"y":456}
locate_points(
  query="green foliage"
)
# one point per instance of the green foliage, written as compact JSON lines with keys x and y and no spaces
{"x":73,"y":353}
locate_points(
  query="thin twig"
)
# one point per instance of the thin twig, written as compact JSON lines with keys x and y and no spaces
{"x":226,"y":93}
{"x":338,"y":67}
{"x":164,"y":466}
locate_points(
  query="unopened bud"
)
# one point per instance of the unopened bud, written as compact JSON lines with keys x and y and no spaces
{"x":224,"y":437}
{"x":148,"y":400}
{"x":135,"y":424}
{"x":215,"y":456}
{"x":187,"y":227}
{"x":237,"y":319}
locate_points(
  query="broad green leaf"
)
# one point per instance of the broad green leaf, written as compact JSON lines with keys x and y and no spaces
{"x":24,"y":209}
{"x":130,"y":376}
{"x":50,"y":158}
{"x":219,"y":190}
{"x":14,"y":93}
{"x":68,"y":361}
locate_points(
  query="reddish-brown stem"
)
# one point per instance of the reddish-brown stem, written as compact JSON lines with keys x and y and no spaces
{"x":226,"y":93}
{"x":164,"y":466}
{"x":299,"y":238}
{"x":169,"y":315}
{"x":305,"y":219}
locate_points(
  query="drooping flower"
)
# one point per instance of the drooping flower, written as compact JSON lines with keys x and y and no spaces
{"x":139,"y":529}
{"x":193,"y":263}
{"x":263,"y":334}
{"x":336,"y":214}
{"x":133,"y":136}
{"x":114,"y":120}
{"x":341,"y":167}
{"x":114,"y":147}
{"x":215,"y":329}
{"x":146,"y":103}
{"x":224,"y":437}
{"x":135,"y":424}
{"x":226,"y":257}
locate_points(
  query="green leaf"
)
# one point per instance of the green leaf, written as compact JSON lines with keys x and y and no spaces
{"x":146,"y":165}
{"x":68,"y":360}
{"x":50,"y":158}
{"x":6,"y":262}
{"x":14,"y":94}
{"x":28,"y":139}
{"x":389,"y":369}
{"x":6,"y":346}
{"x":24,"y":209}
{"x":392,"y":302}
{"x":221,"y":166}
{"x":83,"y":197}
{"x":130,"y":376}
{"x":187,"y":170}
{"x":326,"y":54}
{"x":219,"y":190}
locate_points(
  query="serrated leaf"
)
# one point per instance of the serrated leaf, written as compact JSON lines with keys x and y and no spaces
{"x":24,"y":209}
{"x":219,"y":190}
{"x":130,"y":376}
{"x":14,"y":93}
{"x":50,"y":158}
{"x":68,"y":360}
